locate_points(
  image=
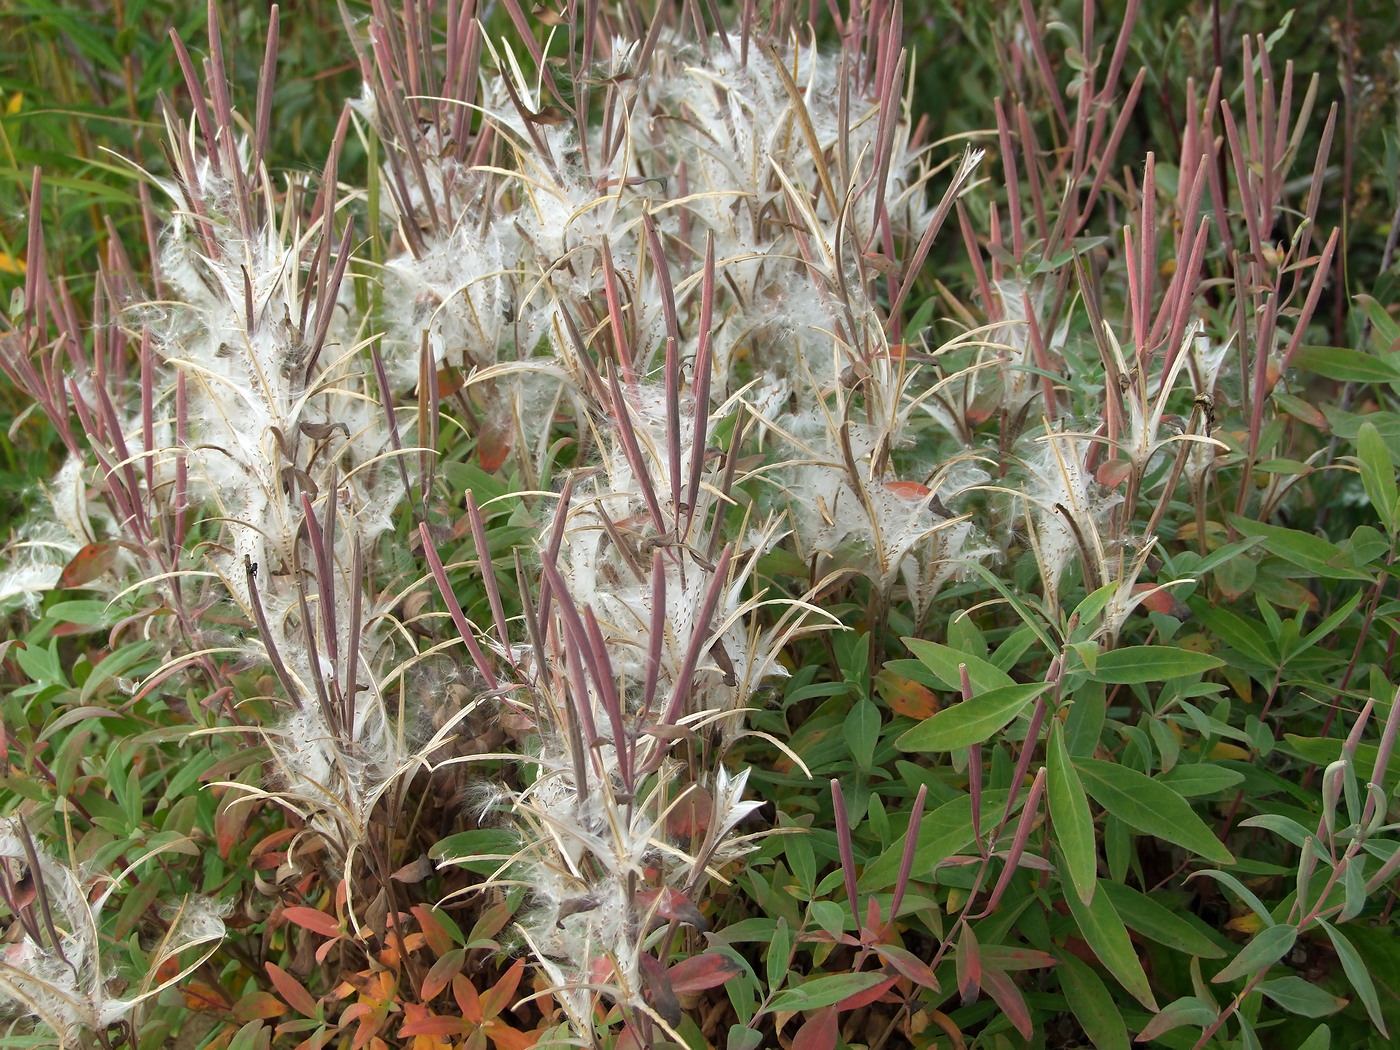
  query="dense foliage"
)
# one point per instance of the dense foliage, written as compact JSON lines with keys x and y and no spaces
{"x":693,"y":528}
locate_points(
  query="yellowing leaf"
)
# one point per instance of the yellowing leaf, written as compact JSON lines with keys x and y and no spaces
{"x":1223,"y":750}
{"x":1248,"y":923}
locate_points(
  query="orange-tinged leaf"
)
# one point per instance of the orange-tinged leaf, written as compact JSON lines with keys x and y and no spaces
{"x":909,"y":491}
{"x":203,"y":997}
{"x":439,"y":940}
{"x":229,"y":822}
{"x":450,"y":380}
{"x":507,"y":1038}
{"x":905,"y":696}
{"x":313,"y":920}
{"x":272,"y":842}
{"x":468,"y":1001}
{"x":90,"y":563}
{"x":292,"y":990}
{"x":496,"y":999}
{"x":258,"y":1006}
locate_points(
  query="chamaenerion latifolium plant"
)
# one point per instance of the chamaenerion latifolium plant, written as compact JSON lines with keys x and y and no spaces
{"x":498,"y":535}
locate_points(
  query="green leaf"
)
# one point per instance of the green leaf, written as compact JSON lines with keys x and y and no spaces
{"x":1200,"y":778}
{"x":1246,"y":638}
{"x":1188,"y":1010}
{"x":1378,"y":474}
{"x":1149,"y":918}
{"x":1069,"y":809}
{"x":971,"y":721}
{"x":1301,"y":997}
{"x":942,"y":833}
{"x":483,"y":850}
{"x":1268,"y":947}
{"x":1101,"y":927}
{"x":1243,"y":892}
{"x":823,"y":991}
{"x":1134,"y":664}
{"x":250,"y":1037}
{"x":863,"y":732}
{"x":1092,"y":1004}
{"x":1318,"y":556}
{"x":1384,"y":327}
{"x":779,"y":954}
{"x":1357,"y":973}
{"x":1346,"y":365}
{"x":1150,"y":806}
{"x":118,"y":662}
{"x":944,"y":663}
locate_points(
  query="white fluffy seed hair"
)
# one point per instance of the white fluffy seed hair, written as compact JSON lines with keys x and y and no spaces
{"x":64,"y":985}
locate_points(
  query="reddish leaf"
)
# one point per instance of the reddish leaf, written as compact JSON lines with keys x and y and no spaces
{"x":969,"y":966}
{"x":272,"y":842}
{"x":657,"y":990}
{"x":496,"y":999}
{"x":1114,"y":472}
{"x":449,"y":381}
{"x":1160,"y":600}
{"x":90,"y":563}
{"x":690,"y":816}
{"x":418,"y":1021}
{"x":668,"y":905}
{"x":865,"y":998}
{"x":441,"y":973}
{"x":468,"y":1001}
{"x":292,"y":990}
{"x":701,"y":972}
{"x":909,"y":965}
{"x":492,"y":444}
{"x":313,"y":920}
{"x":1005,"y":994}
{"x":230,"y":820}
{"x":415,"y":871}
{"x":819,"y":1033}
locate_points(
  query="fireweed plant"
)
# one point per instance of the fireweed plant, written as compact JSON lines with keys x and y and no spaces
{"x":499,"y":534}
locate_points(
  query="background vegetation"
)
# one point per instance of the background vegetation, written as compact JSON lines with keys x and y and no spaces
{"x":970,"y":625}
